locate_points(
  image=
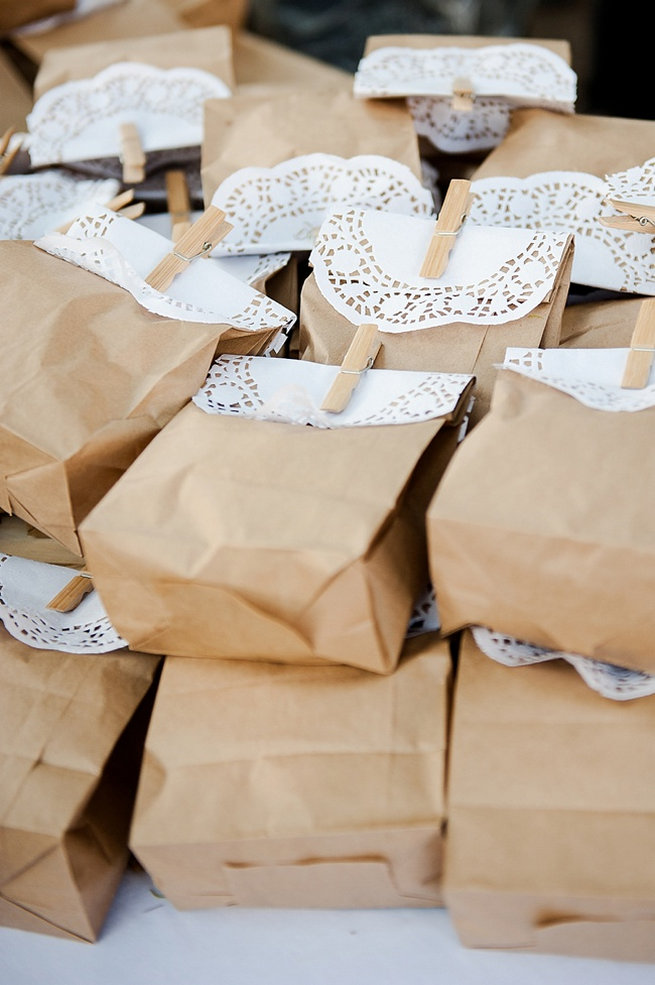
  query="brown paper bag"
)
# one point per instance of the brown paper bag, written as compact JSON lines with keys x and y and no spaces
{"x":542,"y":526}
{"x":606,"y":324}
{"x":458,"y":347}
{"x":338,"y":804}
{"x":255,"y":539}
{"x":540,"y":140}
{"x":88,"y":377}
{"x":16,"y":96}
{"x":373,"y":42}
{"x":208,"y":49}
{"x":129,"y":19}
{"x":260,"y":61}
{"x":290,"y":122}
{"x":550,"y":819}
{"x":15,"y":14}
{"x":69,"y":761}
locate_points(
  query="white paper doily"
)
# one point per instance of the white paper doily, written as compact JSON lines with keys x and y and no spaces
{"x":425,"y":615}
{"x":282,"y":208}
{"x":79,"y":120}
{"x":610,"y":681}
{"x":634,"y":185}
{"x":124,"y":252}
{"x":366,"y":266}
{"x":592,"y":376}
{"x":26,"y":587}
{"x":524,"y":74}
{"x":571,"y":202}
{"x":34,"y":204}
{"x":292,"y":390}
{"x":460,"y":133}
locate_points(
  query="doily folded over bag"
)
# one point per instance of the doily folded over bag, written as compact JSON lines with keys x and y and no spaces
{"x":282,"y":208}
{"x":26,"y":588}
{"x":574,"y":202}
{"x":32,"y":205}
{"x":79,"y":120}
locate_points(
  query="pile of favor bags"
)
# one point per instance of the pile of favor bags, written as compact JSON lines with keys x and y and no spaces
{"x":325,"y":413}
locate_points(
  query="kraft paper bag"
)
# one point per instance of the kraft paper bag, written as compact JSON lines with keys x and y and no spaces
{"x":311,"y":786}
{"x":365,"y":268}
{"x":16,"y":14}
{"x":550,"y":818}
{"x":206,"y":13}
{"x":208,"y":49}
{"x":88,"y":377}
{"x":541,"y":527}
{"x":291,"y":122}
{"x":16,"y":96}
{"x":248,"y":538}
{"x":72,"y":728}
{"x":602,"y":324}
{"x":128,"y":19}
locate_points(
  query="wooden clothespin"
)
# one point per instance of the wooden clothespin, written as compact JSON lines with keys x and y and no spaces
{"x":120,"y":204}
{"x":360,"y":356}
{"x":72,"y":594}
{"x":642,"y":348}
{"x":462,"y":101}
{"x":179,"y":206}
{"x":454,"y":210}
{"x":198,"y":241}
{"x":636,"y":219}
{"x":7,"y":156}
{"x":132,"y":155}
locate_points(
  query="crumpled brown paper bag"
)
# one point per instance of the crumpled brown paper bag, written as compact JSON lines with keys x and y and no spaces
{"x":70,"y":749}
{"x":311,"y":786}
{"x":542,"y":527}
{"x":16,"y":96}
{"x":551,"y":815}
{"x":325,"y":334}
{"x":17,"y":13}
{"x":264,"y":127}
{"x":540,"y":140}
{"x":87,"y":378}
{"x":205,"y":13}
{"x":260,"y":61}
{"x":254,"y":539}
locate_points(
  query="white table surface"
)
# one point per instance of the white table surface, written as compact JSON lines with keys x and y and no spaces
{"x":145,"y":941}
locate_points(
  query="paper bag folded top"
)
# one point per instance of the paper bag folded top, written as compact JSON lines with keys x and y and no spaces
{"x":92,"y":370}
{"x":550,"y":820}
{"x":293,"y":122}
{"x":461,"y":91}
{"x":69,"y":761}
{"x":312,"y":787}
{"x":529,"y":533}
{"x":262,"y":539}
{"x":499,"y":286}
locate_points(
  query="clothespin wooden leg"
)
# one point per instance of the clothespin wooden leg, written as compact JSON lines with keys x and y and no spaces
{"x":72,"y":594}
{"x":455,"y":207}
{"x":7,"y":156}
{"x":132,"y":154}
{"x":179,"y":206}
{"x":462,"y":101}
{"x":198,"y":241}
{"x":360,"y":356}
{"x":642,"y":348}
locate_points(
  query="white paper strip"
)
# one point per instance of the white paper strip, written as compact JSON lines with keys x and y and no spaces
{"x":366,"y":266}
{"x":525,"y":74}
{"x":124,"y":253}
{"x":79,"y":120}
{"x":34,"y":204}
{"x":610,"y":681}
{"x":592,"y":376}
{"x":282,"y":208}
{"x":293,"y":390}
{"x":570,"y":202}
{"x":26,"y":587}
